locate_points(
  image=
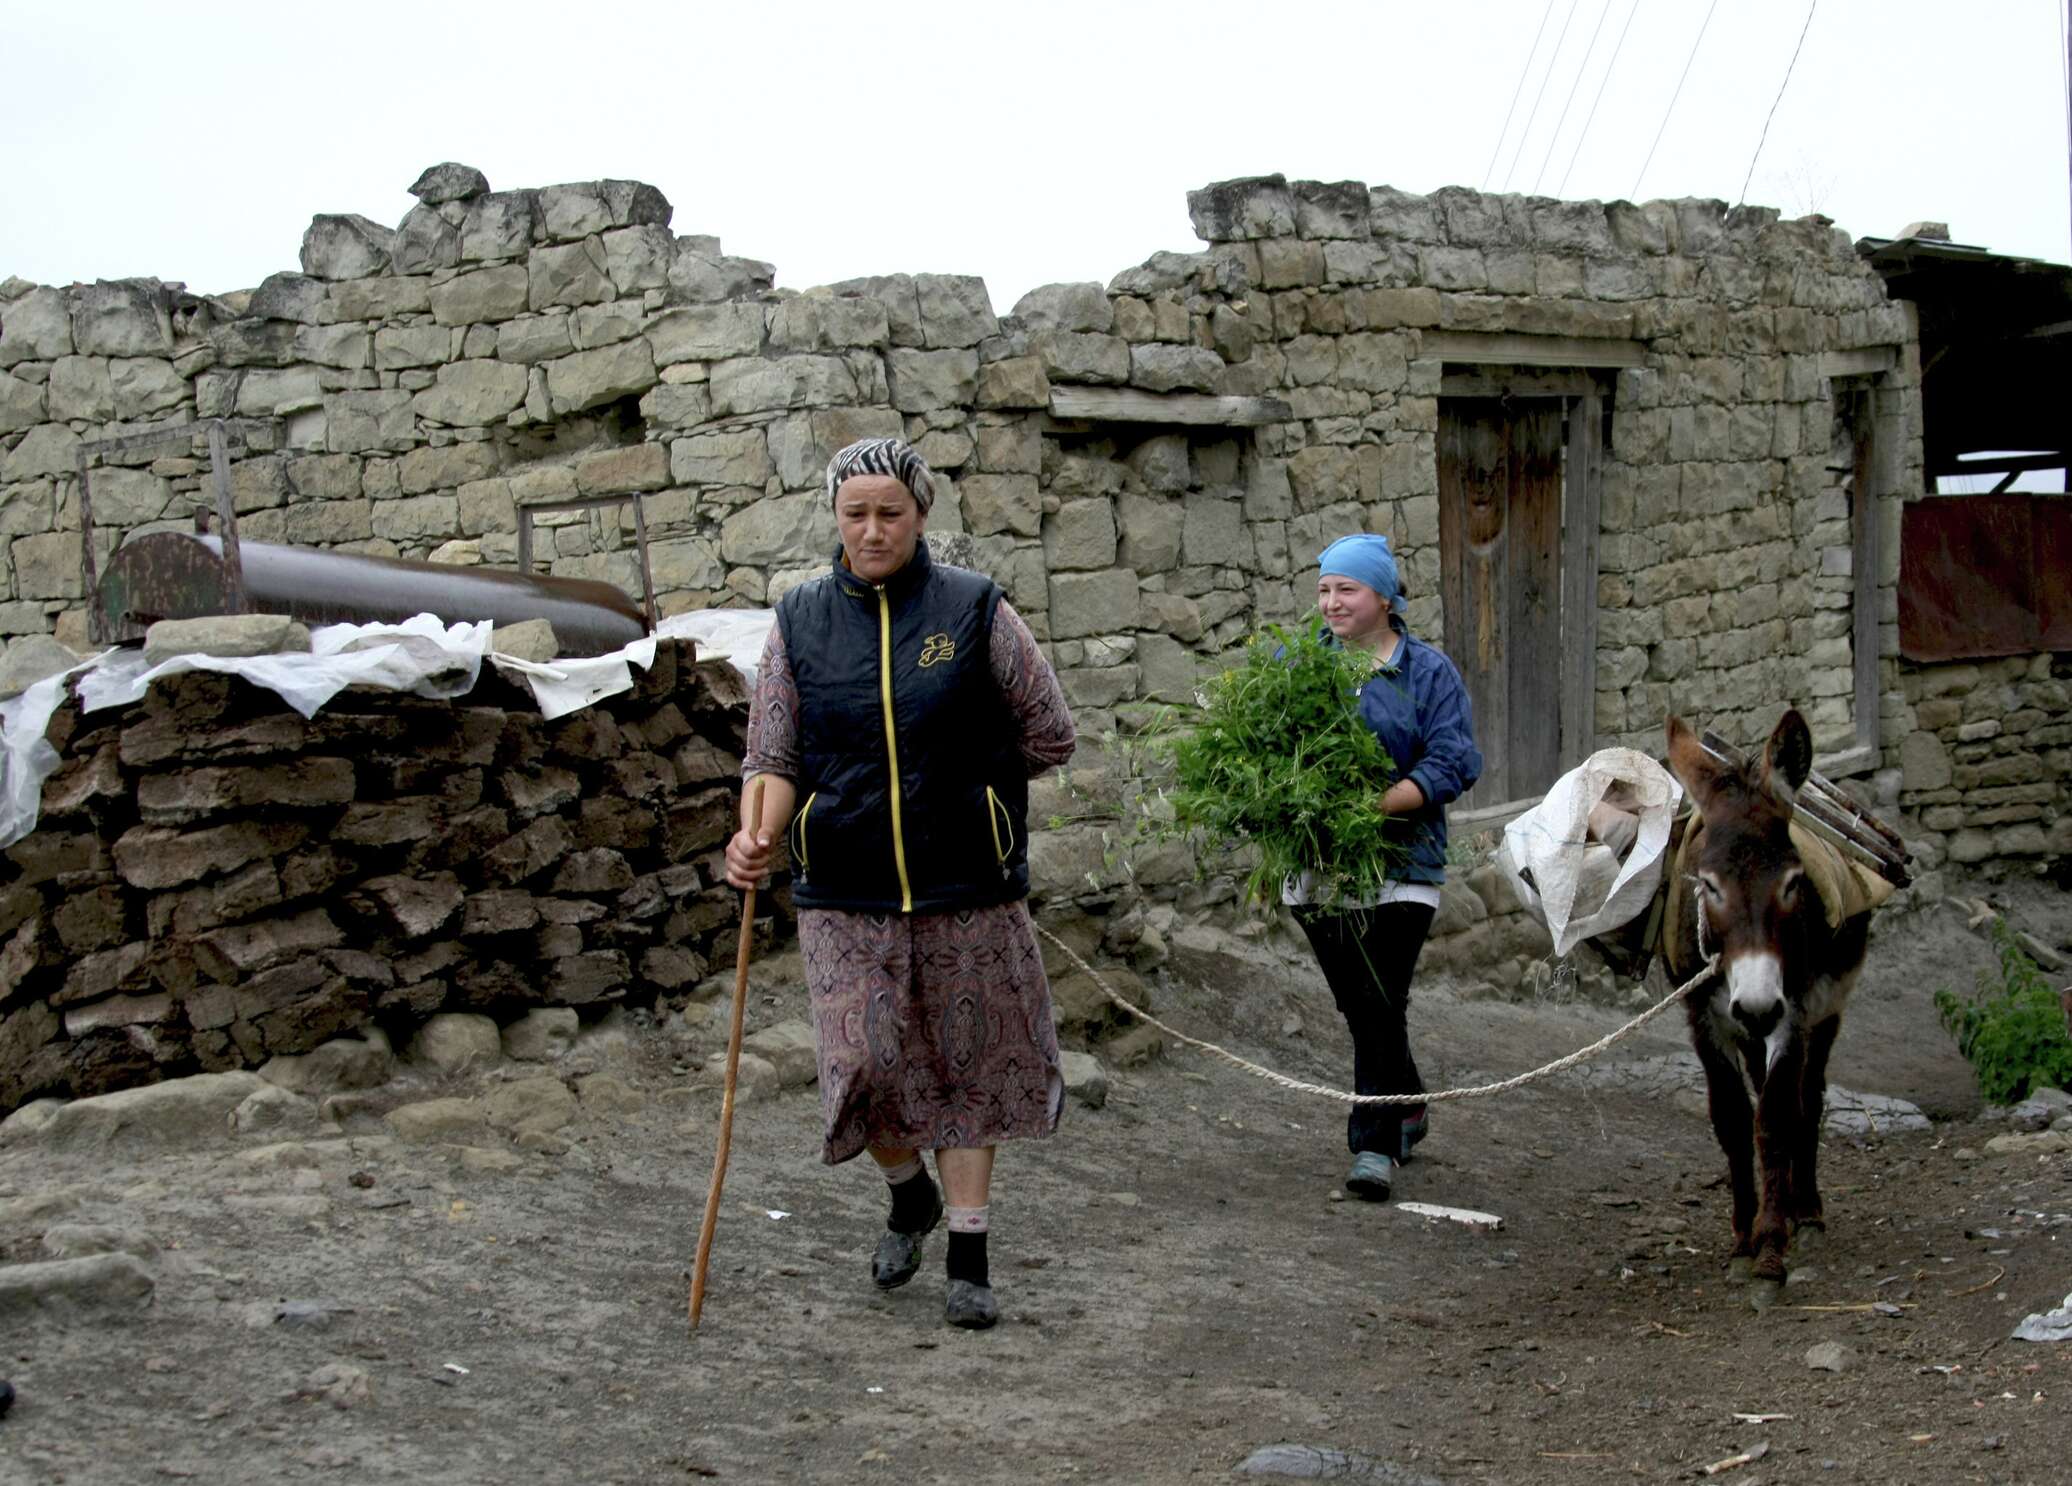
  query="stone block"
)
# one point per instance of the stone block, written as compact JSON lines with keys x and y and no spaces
{"x":822,"y":322}
{"x":46,"y":449}
{"x":1068,"y":307}
{"x":225,"y":635}
{"x":1243,"y":209}
{"x":753,"y":385}
{"x":125,"y":317}
{"x":638,"y":258}
{"x":924,"y":381}
{"x":715,"y":332}
{"x":955,"y":310}
{"x":448,"y":181}
{"x":698,"y":276}
{"x":793,"y":527}
{"x":734,"y":457}
{"x":1018,"y":382}
{"x":1213,"y":532}
{"x":23,"y":405}
{"x":1163,"y":368}
{"x":484,"y":294}
{"x":455,"y":1042}
{"x":1080,"y":535}
{"x":467,"y":394}
{"x":1103,"y":603}
{"x":570,"y":274}
{"x":424,"y":241}
{"x":1071,"y":357}
{"x":997,"y":503}
{"x":113,"y":1284}
{"x":590,"y":379}
{"x":445,"y":467}
{"x":533,"y":338}
{"x":345,"y":247}
{"x":501,"y":224}
{"x":542,"y":1035}
{"x":37,"y":326}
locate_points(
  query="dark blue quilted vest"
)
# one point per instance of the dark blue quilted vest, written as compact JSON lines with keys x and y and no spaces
{"x":913,"y":795}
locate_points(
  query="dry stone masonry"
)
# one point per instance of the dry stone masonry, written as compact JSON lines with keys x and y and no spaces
{"x":412,"y":388}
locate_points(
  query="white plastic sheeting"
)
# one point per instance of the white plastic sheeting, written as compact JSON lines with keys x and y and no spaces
{"x":1578,"y":886}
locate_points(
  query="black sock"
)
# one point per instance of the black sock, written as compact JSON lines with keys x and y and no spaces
{"x":968,"y":1257}
{"x":913,"y":1204}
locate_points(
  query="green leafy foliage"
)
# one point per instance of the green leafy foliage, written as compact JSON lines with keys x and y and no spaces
{"x":2011,"y":1029}
{"x":1280,"y":762}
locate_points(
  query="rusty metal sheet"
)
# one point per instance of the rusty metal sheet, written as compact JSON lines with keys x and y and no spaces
{"x":1984,"y":575}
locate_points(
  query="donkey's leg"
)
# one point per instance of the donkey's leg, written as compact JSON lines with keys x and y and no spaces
{"x":1777,"y":1120}
{"x":1734,"y":1127}
{"x":1804,"y":1210}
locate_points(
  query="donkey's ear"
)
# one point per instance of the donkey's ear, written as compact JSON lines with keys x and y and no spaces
{"x":1788,"y":758}
{"x":1689,"y":761}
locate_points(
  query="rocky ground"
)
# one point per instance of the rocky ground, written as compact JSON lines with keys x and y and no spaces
{"x":479,"y":1274}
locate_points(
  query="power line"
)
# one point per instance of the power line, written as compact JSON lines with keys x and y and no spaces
{"x":1552,"y":57}
{"x":1673,"y":97}
{"x":1523,"y":73}
{"x":1591,"y":116}
{"x":1777,"y":100}
{"x":1582,"y":68}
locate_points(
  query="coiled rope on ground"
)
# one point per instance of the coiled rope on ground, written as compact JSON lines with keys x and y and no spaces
{"x":1297,"y":1086}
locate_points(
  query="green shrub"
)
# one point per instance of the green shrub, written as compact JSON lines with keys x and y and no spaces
{"x":2011,"y":1029}
{"x":1279,"y":761}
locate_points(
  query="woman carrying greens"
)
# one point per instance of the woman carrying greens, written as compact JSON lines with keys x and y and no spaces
{"x":1413,"y":701}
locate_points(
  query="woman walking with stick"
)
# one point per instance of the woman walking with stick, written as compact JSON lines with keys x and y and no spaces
{"x":901,"y":707}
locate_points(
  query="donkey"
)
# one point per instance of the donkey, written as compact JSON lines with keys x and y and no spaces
{"x":1777,"y":1002}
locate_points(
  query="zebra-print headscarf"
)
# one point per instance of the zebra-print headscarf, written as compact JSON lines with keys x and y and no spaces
{"x":894,"y":457}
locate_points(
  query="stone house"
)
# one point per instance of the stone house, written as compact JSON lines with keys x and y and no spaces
{"x":1635,"y":458}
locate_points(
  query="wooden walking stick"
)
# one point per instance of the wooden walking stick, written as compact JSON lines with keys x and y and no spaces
{"x":726,"y":1102}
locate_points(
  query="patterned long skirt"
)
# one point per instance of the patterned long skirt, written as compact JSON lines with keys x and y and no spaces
{"x":935,"y":1029}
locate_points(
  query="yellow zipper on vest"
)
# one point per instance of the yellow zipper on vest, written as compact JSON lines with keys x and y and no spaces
{"x":906,"y":891}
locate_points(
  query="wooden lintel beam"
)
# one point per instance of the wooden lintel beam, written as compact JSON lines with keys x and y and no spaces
{"x":1504,"y":348}
{"x":1493,"y":382}
{"x":1195,"y":409}
{"x":1871,"y":361}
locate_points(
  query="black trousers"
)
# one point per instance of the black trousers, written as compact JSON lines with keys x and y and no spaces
{"x":1367,"y":956}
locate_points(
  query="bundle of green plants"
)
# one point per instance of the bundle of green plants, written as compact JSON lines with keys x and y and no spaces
{"x":2011,"y":1029}
{"x":1278,"y":761}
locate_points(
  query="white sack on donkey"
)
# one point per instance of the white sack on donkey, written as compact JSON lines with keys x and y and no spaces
{"x":1590,"y":855}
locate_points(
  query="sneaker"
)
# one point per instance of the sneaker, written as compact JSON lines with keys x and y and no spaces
{"x":1417,"y":1124}
{"x":1371,"y":1176}
{"x":970,"y":1306}
{"x":899,"y":1254}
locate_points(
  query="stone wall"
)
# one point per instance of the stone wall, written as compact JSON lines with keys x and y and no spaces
{"x":502,"y":348}
{"x":215,"y":881}
{"x":1986,"y":764}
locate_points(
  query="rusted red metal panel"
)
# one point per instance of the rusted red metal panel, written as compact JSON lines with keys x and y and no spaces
{"x":2052,"y":517}
{"x":1968,"y":571}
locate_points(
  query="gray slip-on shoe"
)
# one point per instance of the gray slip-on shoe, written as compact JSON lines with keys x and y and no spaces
{"x":970,"y":1306}
{"x":899,"y":1254}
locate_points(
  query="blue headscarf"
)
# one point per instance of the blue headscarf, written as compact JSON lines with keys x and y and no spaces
{"x":1365,"y":558}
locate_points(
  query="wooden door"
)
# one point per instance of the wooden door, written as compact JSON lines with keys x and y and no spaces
{"x":1500,"y":583}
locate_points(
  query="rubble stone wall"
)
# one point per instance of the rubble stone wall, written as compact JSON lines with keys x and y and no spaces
{"x":1986,"y":763}
{"x":216,"y":881}
{"x":502,"y":348}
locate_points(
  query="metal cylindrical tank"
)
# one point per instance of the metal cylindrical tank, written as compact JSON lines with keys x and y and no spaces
{"x":180,"y":575}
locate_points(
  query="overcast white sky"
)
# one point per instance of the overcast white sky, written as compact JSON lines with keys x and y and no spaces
{"x":1025,"y":143}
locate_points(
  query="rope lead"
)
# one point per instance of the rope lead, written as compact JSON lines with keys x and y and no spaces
{"x":1294,"y":1085}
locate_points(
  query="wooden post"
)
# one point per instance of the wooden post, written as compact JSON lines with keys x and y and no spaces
{"x":726,"y":1103}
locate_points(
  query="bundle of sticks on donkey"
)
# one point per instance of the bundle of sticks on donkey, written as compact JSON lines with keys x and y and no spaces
{"x":1788,"y":958}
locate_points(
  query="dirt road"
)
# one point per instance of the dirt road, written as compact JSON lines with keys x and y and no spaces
{"x":1179,"y":1286}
